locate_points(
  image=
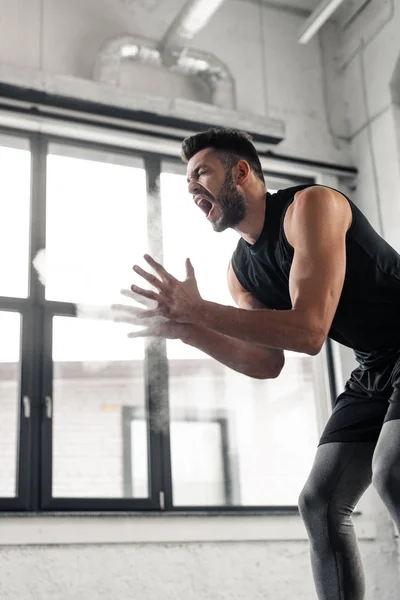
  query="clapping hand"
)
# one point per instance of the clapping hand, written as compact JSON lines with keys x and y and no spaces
{"x":167,"y":312}
{"x":176,"y":300}
{"x":154,"y":326}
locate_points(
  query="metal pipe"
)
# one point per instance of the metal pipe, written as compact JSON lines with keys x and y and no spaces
{"x":317,"y":19}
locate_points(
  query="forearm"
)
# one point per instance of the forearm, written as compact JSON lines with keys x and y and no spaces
{"x":280,"y":329}
{"x":244,"y":357}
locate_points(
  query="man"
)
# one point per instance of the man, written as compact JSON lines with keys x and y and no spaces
{"x":308,"y":266}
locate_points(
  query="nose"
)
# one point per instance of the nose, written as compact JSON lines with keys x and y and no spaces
{"x":193,"y":187}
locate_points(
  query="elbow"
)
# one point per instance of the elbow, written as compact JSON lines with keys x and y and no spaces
{"x":277,"y":366}
{"x":273,"y":373}
{"x":315,"y":340}
{"x":314,"y":350}
{"x":271,"y":369}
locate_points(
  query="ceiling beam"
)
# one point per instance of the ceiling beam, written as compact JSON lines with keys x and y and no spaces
{"x":317,"y":19}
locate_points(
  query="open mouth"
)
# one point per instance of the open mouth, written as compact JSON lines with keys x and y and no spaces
{"x":205,"y":205}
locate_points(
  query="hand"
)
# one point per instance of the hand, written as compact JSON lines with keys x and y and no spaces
{"x":156,"y":326}
{"x":178,"y":301}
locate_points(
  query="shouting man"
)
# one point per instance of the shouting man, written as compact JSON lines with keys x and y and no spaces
{"x":308,"y":266}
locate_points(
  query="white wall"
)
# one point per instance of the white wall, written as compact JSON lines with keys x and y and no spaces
{"x":220,"y":571}
{"x":368,"y":54}
{"x":335,"y":101}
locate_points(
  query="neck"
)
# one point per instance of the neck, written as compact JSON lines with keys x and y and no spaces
{"x":252,"y":225}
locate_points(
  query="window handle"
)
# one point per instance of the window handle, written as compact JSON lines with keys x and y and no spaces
{"x":27,"y":407}
{"x":49,"y":406}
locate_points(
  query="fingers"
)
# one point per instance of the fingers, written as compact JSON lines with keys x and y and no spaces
{"x":148,"y":314}
{"x":125,"y":314}
{"x":159,"y":268}
{"x":152,"y":279}
{"x":133,"y":296}
{"x":153,"y":321}
{"x":131,"y":310}
{"x":148,"y":332}
{"x":135,"y":316}
{"x":189,"y":269}
{"x":146,"y":293}
{"x":126,"y":319}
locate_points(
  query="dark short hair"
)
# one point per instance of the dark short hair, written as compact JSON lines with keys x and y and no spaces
{"x":231,"y":146}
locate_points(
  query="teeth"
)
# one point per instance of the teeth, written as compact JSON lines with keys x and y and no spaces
{"x":202,"y":198}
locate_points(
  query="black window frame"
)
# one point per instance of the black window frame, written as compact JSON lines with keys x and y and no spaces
{"x":34,"y":469}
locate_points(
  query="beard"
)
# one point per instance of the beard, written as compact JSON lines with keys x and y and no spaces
{"x":232,"y":205}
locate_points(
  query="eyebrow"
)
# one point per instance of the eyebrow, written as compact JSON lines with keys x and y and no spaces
{"x":196,"y":170}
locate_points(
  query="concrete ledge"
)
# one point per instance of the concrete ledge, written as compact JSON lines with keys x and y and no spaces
{"x":56,"y":529}
{"x":78,"y":89}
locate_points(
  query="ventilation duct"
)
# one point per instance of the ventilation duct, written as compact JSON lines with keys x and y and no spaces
{"x":192,"y":63}
{"x":193,"y":17}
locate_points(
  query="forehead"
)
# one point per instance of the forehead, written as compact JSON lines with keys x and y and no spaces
{"x":206,"y":156}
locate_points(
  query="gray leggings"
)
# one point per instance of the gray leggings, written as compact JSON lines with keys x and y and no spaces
{"x":341,"y":473}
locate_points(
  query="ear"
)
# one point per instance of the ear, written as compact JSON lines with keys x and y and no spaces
{"x":241,"y":172}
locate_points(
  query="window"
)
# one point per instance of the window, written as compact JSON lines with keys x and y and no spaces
{"x":104,"y":422}
{"x":15,"y":210}
{"x":15,"y":182}
{"x":10,"y":326}
{"x":96,"y":228}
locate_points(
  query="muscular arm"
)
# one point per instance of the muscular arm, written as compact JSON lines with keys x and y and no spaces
{"x":245,"y":357}
{"x":316,"y":226}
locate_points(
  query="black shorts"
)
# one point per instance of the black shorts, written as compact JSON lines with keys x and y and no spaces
{"x":371,"y":397}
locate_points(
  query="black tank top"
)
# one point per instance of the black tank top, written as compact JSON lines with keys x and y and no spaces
{"x":367,"y":318}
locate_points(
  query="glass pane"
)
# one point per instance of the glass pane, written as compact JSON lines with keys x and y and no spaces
{"x":98,"y":373}
{"x":96,"y":227}
{"x":139,"y":475}
{"x":15,"y":185}
{"x":198,"y":463}
{"x":10,"y":327}
{"x":271,"y":425}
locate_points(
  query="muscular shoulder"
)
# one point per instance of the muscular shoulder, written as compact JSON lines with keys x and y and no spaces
{"x":314,"y":206}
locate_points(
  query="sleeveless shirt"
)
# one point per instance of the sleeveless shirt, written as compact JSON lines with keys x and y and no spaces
{"x":367,"y":318}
